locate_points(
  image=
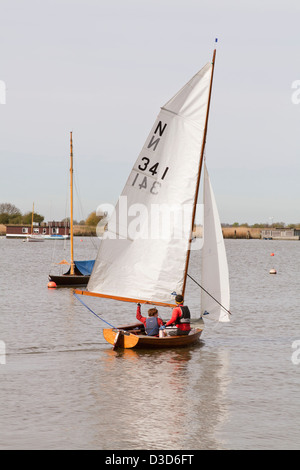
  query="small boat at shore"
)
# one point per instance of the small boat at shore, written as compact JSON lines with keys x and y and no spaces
{"x":32,"y":237}
{"x":135,"y":263}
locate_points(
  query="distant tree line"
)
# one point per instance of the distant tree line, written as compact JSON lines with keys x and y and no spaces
{"x":92,"y":220}
{"x":10,"y":214}
{"x":265,"y":225}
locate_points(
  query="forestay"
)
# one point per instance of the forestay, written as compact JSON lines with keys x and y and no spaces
{"x":137,"y":261}
{"x":214,"y":275}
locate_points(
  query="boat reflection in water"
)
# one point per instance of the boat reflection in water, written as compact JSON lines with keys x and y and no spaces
{"x":171,"y":399}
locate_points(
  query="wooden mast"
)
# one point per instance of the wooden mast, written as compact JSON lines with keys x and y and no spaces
{"x":32,"y":218}
{"x":199,"y":171}
{"x":71,"y":205}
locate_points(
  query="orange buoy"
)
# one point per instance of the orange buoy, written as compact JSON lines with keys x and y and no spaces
{"x":51,"y":285}
{"x":272,"y":254}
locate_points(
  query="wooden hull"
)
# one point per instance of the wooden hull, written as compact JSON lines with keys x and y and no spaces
{"x":69,"y":280}
{"x":129,"y":338}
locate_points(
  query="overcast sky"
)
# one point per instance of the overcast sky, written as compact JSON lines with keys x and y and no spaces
{"x":103,"y":69}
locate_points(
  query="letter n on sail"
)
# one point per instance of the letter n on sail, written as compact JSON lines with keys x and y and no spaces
{"x":154,"y":141}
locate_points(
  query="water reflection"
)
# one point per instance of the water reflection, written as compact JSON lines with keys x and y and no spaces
{"x":160,"y":399}
{"x":64,"y":387}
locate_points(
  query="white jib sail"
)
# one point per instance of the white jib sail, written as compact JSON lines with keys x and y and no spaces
{"x":143,"y":253}
{"x":214,"y":275}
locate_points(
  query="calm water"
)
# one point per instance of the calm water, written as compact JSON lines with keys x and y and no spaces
{"x":62,"y":386}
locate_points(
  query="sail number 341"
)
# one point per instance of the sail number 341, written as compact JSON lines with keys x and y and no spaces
{"x":142,"y":182}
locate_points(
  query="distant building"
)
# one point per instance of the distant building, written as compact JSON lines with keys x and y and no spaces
{"x":50,"y":231}
{"x":281,"y":234}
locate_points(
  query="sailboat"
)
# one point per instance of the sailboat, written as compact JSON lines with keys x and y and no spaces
{"x":132,"y":266}
{"x":34,"y":237}
{"x":79,"y":271}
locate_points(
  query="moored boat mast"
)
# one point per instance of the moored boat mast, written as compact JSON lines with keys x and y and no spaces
{"x":71,"y":204}
{"x":32,"y":218}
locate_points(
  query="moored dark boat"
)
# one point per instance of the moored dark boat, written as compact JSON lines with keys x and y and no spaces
{"x":69,"y":280}
{"x":81,"y":276}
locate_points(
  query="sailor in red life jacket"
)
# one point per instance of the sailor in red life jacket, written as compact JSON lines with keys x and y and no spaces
{"x":180,"y":317}
{"x":152,"y":323}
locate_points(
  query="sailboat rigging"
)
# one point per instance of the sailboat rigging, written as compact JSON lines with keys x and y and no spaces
{"x":34,"y":237}
{"x":80,"y":271}
{"x":136,"y":267}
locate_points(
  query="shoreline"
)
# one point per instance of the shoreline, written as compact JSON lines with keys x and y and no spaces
{"x":228,"y":232}
{"x":239,"y":233}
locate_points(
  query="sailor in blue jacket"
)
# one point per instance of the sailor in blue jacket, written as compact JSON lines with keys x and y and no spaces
{"x":152,"y":323}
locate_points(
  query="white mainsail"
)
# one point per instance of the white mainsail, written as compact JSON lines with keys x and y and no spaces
{"x":214,"y":268}
{"x":143,"y":264}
